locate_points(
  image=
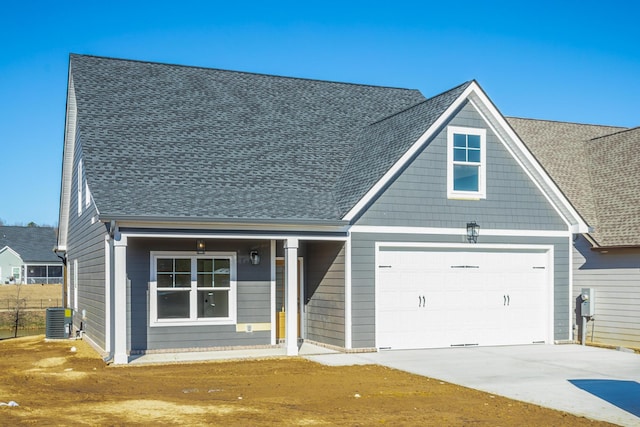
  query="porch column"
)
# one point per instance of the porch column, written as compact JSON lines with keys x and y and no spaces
{"x":291,"y":295}
{"x":272,"y":263}
{"x":120,"y":300}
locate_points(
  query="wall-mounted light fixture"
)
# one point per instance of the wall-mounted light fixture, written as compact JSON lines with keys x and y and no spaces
{"x":254,"y":257}
{"x":473,"y":230}
{"x":200,"y":246}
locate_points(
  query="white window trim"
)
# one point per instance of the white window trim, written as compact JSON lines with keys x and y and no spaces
{"x":75,"y":284}
{"x":482,"y":175}
{"x":193,"y":300}
{"x":79,"y":185}
{"x":87,"y":198}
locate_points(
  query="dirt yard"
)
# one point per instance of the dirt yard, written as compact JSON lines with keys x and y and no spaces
{"x":33,"y":300}
{"x":54,"y":385}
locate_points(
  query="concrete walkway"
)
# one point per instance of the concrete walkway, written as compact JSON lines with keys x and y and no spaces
{"x":304,"y":350}
{"x":592,"y":382}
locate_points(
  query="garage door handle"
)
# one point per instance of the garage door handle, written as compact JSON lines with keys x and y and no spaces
{"x":422,"y":301}
{"x":506,"y":300}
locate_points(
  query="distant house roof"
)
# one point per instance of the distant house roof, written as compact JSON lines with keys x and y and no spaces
{"x":206,"y":143}
{"x":597,"y":167}
{"x":615,"y":174}
{"x":33,"y":244}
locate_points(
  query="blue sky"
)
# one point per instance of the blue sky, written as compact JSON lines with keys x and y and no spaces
{"x":576,"y":61}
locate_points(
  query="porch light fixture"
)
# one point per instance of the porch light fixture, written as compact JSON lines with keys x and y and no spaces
{"x":254,"y":257}
{"x":473,"y":230}
{"x":200,"y":246}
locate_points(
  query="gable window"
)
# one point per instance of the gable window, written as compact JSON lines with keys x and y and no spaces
{"x":193,"y":289}
{"x":466,"y":163}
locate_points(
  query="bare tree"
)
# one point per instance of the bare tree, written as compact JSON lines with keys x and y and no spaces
{"x":19,"y":311}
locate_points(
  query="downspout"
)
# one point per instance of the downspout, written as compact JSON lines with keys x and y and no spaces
{"x":112,"y":230}
{"x":64,"y":274}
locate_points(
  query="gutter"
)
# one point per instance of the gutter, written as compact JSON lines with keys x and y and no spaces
{"x":209,"y":221}
{"x":616,"y":248}
{"x":56,"y":250}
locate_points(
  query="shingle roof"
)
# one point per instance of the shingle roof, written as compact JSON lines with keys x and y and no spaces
{"x":594,"y":166}
{"x":615,"y":171}
{"x":164,"y":140}
{"x":380,"y":145}
{"x":33,"y":244}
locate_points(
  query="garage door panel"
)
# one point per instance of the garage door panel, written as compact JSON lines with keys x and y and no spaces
{"x":462,"y":298}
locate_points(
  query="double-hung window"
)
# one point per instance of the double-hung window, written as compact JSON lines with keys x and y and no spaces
{"x":192,"y":289}
{"x":466,"y":163}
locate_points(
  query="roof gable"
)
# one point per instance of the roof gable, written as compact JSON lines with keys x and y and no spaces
{"x":8,"y":250}
{"x":472,"y":92}
{"x":382,"y":144}
{"x":32,"y":244}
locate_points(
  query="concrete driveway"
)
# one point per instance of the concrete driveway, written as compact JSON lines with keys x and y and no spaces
{"x":592,"y":382}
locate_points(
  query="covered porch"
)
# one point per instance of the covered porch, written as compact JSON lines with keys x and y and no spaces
{"x":197,"y":291}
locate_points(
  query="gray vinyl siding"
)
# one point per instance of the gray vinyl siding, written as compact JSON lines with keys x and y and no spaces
{"x":363,"y":278}
{"x":86,"y":245}
{"x":324,"y":293}
{"x":253,"y":298}
{"x":418,"y":196}
{"x":615,"y":276}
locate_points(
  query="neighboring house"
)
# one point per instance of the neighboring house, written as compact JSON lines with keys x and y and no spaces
{"x":26,"y":255}
{"x":598,"y":168}
{"x":203,"y":208}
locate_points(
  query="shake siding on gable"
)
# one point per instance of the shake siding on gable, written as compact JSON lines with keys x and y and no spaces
{"x":86,"y":245}
{"x":418,"y":198}
{"x":253,"y":298}
{"x":616,"y":280}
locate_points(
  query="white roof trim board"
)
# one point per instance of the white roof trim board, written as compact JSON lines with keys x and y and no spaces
{"x":333,"y":136}
{"x":476,"y":95}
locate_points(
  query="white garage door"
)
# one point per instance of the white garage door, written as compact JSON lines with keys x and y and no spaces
{"x":430,"y":298}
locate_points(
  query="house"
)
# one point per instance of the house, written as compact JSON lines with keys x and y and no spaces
{"x":208,"y":209}
{"x":26,"y":255}
{"x":598,"y":167}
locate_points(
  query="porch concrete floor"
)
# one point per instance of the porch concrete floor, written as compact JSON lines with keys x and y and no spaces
{"x":306,"y":349}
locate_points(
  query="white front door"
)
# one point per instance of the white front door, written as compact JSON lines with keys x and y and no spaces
{"x":430,"y":298}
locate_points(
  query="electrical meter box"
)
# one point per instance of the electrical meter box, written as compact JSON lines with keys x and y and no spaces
{"x":587,"y":307}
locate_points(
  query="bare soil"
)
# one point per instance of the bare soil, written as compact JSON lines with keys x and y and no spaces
{"x":33,"y":300}
{"x":54,"y":385}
